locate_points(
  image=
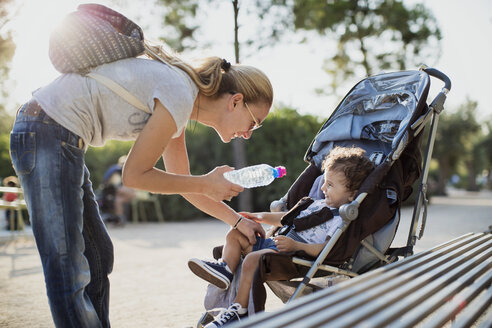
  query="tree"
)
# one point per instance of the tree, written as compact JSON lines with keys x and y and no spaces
{"x":240,"y":161}
{"x":7,"y":50}
{"x":179,"y":25}
{"x":484,"y":146}
{"x":178,"y":13}
{"x":472,"y":157}
{"x":455,"y":142}
{"x":370,"y":35}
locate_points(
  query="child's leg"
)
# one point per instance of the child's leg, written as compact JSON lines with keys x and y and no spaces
{"x":250,"y":264}
{"x":236,"y":244}
{"x":221,"y":273}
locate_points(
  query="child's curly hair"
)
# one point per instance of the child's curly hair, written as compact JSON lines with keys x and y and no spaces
{"x":351,"y":162}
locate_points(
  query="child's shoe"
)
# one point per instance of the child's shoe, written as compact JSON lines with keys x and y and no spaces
{"x":215,"y":272}
{"x":233,"y":313}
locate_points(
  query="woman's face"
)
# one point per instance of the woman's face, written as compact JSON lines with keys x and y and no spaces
{"x":242,"y":120}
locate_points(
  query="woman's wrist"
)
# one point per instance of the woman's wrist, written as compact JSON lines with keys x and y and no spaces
{"x":237,"y":222}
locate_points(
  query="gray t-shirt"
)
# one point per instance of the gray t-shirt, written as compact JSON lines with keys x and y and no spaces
{"x":96,"y":114}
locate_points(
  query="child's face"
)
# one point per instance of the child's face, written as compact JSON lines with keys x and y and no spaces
{"x":335,"y":190}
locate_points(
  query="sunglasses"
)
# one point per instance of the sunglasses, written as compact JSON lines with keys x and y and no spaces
{"x":257,"y":125}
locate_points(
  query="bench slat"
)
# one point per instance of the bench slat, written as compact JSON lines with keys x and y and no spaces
{"x":13,"y":205}
{"x":13,"y":190}
{"x":461,"y":300}
{"x":437,"y":293}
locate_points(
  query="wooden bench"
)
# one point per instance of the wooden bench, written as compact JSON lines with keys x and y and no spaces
{"x":15,"y":206}
{"x":448,"y":284}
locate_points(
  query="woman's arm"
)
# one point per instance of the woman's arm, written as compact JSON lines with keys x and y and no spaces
{"x":156,"y":137}
{"x":204,"y":192}
{"x":176,"y":160}
{"x":286,"y":244}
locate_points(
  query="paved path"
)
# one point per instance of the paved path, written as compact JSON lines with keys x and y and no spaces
{"x":151,"y":284}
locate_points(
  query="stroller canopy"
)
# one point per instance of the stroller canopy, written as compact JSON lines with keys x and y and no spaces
{"x":376,"y":113}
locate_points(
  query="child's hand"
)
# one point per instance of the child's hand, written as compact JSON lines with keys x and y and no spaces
{"x":253,"y":216}
{"x":285,"y":244}
{"x":265,"y":217}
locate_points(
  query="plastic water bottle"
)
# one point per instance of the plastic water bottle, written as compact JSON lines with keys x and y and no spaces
{"x":256,"y":175}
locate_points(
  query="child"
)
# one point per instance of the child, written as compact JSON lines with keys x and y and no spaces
{"x":344,"y":171}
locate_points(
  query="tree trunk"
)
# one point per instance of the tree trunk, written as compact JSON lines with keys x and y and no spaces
{"x":442,"y":178}
{"x":472,"y":181}
{"x":240,"y":161}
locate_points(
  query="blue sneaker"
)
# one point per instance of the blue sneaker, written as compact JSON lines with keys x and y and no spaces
{"x":233,"y":313}
{"x":215,"y":272}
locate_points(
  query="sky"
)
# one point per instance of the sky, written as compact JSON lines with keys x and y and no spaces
{"x":295,"y":70}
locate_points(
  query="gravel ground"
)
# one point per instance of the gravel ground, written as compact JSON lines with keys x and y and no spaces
{"x":151,"y":285}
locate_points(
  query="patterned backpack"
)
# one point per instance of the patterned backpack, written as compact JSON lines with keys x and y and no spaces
{"x":95,"y":35}
{"x":91,"y":36}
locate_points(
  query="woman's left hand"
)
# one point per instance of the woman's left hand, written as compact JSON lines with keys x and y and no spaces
{"x":219,"y":188}
{"x":285,"y":244}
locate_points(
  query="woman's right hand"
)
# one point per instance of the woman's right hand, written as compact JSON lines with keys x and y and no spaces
{"x":219,"y":188}
{"x":251,"y":229}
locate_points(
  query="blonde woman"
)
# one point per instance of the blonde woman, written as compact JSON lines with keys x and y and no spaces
{"x":53,"y":130}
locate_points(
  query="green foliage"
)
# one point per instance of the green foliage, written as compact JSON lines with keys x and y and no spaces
{"x":371,"y":35}
{"x":6,"y":121}
{"x":6,"y":168}
{"x":179,"y":24}
{"x":485,"y":145}
{"x":7,"y":47}
{"x":458,"y":135}
{"x":99,"y":159}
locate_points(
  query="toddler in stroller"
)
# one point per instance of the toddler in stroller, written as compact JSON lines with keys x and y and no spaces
{"x":306,"y":227}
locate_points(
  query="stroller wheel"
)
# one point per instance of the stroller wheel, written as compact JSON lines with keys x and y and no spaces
{"x":205,"y":319}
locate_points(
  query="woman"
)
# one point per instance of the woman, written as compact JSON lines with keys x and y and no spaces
{"x":53,"y":130}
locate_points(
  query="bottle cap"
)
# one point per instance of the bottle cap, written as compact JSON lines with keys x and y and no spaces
{"x":280,"y":171}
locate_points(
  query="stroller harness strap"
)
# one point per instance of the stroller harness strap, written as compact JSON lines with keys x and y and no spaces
{"x":291,"y":220}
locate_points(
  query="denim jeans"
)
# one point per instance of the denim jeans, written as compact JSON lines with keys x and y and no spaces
{"x":74,"y":245}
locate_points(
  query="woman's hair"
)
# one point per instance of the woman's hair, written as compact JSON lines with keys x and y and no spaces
{"x":351,"y":162}
{"x":214,"y":76}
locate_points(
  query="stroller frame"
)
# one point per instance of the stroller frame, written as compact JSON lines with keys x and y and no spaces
{"x":349,"y":212}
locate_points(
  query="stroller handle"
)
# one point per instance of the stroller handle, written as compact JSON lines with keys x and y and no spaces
{"x":440,"y":75}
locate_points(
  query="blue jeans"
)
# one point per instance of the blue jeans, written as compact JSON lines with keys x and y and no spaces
{"x":74,"y":245}
{"x":264,"y":243}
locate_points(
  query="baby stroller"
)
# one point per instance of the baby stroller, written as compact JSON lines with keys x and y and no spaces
{"x":384,"y":114}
